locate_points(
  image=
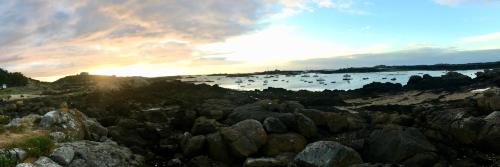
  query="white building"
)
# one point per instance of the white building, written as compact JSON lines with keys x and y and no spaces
{"x":4,"y":86}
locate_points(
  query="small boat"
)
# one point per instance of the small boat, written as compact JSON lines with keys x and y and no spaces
{"x":305,"y":75}
{"x":366,"y":78}
{"x":310,"y":82}
{"x":315,"y":75}
{"x":239,"y":81}
{"x":393,"y":79}
{"x":275,"y":80}
{"x":265,"y":81}
{"x":347,"y":77}
{"x":384,"y":78}
{"x":333,"y":82}
{"x":320,"y":79}
{"x":251,"y":80}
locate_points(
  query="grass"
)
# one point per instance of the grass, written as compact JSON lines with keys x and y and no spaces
{"x":36,"y":146}
{"x":8,"y":160}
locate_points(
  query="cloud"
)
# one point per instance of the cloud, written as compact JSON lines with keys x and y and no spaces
{"x":461,"y":2}
{"x":405,"y":57}
{"x":55,"y":38}
{"x":482,"y":38}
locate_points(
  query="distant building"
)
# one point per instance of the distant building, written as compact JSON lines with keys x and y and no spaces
{"x":84,"y":73}
{"x":4,"y":86}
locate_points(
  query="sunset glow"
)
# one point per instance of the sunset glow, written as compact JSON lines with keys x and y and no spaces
{"x":49,"y":39}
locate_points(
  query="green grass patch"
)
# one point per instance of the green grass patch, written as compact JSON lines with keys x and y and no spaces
{"x":36,"y":146}
{"x":7,"y":160}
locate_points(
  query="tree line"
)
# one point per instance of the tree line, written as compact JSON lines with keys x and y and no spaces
{"x":12,"y":78}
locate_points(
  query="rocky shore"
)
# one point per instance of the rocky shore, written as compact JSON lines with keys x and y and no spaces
{"x":452,"y":120}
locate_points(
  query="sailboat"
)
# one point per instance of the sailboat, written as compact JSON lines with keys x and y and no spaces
{"x":347,"y":77}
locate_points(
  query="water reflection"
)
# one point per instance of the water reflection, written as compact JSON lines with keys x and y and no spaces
{"x":315,"y":82}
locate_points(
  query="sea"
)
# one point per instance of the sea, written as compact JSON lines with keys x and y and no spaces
{"x":314,"y":81}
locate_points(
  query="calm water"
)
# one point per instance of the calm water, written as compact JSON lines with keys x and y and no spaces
{"x":314,"y":81}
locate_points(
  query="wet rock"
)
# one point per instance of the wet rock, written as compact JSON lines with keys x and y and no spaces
{"x":245,"y":137}
{"x":280,"y":143}
{"x":407,"y":146}
{"x":263,"y":162}
{"x":45,"y":162}
{"x":274,"y":125}
{"x":63,"y":155}
{"x":217,"y":148}
{"x":326,"y":154}
{"x":305,"y":126}
{"x":202,"y":125}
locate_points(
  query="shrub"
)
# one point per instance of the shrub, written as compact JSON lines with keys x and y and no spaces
{"x":7,"y":160}
{"x":4,"y":119}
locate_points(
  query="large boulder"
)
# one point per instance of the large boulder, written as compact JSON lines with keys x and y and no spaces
{"x":274,"y":125}
{"x":217,"y":148}
{"x":63,"y":155}
{"x":193,"y":145}
{"x":77,"y":125}
{"x":327,"y":154}
{"x":203,"y":125}
{"x":45,"y":162}
{"x":451,"y":80}
{"x":101,"y":154}
{"x":466,"y":130}
{"x":407,"y":146}
{"x":94,"y":130}
{"x":305,"y":126}
{"x":489,"y":100}
{"x":280,"y":143}
{"x":320,"y":118}
{"x":216,"y":108}
{"x":24,"y":122}
{"x":489,"y":137}
{"x":254,"y":111}
{"x":245,"y":137}
{"x":263,"y":162}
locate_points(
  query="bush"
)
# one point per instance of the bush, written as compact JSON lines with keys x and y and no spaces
{"x":37,"y":146}
{"x":4,"y":119}
{"x":7,"y":160}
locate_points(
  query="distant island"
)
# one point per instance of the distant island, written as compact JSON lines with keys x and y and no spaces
{"x":378,"y":68}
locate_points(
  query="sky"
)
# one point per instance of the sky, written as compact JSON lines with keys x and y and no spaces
{"x":48,"y":39}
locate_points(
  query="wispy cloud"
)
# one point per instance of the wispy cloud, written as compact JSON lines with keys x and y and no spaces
{"x":482,"y":38}
{"x":50,"y":38}
{"x":460,"y":2}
